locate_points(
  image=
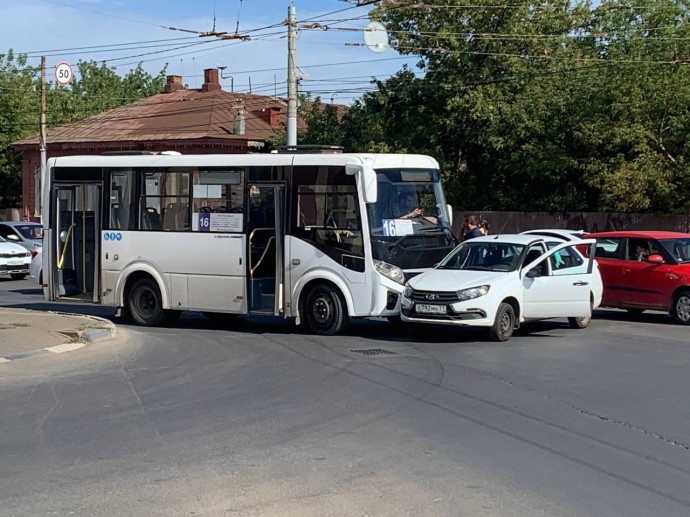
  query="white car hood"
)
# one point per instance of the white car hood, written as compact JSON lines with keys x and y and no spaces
{"x":10,"y":247}
{"x":446,"y":280}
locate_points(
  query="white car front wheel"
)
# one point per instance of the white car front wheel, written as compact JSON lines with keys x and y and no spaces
{"x":504,"y":323}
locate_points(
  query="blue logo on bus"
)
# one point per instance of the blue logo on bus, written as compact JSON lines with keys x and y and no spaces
{"x":112,"y":236}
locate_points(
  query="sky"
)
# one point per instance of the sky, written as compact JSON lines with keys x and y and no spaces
{"x":335,"y":63}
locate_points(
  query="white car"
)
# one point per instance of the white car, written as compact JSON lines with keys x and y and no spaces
{"x":500,"y":281}
{"x":555,"y":237}
{"x":567,"y":235}
{"x":14,"y":260}
{"x":36,"y":267}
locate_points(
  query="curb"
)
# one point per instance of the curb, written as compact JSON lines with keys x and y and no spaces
{"x":86,"y":336}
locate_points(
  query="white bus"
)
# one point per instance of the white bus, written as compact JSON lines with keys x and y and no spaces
{"x":307,"y":236}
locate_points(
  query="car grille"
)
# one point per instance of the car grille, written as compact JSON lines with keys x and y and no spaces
{"x":433,"y":296}
{"x":22,"y":267}
{"x":12,"y":255}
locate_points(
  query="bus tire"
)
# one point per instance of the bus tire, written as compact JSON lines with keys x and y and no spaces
{"x":145,"y":304}
{"x":325,"y":310}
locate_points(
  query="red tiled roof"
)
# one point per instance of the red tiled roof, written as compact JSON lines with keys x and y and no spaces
{"x":179,"y":115}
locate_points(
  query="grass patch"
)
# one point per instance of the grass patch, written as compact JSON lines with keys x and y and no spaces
{"x":9,"y":326}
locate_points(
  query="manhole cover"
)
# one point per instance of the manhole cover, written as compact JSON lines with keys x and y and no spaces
{"x":373,"y":351}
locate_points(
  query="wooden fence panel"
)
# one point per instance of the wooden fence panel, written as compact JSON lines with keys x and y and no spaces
{"x":516,"y":222}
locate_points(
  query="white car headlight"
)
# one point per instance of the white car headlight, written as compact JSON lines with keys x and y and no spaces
{"x":472,"y":292}
{"x":408,"y":291}
{"x":390,"y":271}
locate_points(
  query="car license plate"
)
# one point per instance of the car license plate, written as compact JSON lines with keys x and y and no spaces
{"x":14,"y":262}
{"x":430,"y":309}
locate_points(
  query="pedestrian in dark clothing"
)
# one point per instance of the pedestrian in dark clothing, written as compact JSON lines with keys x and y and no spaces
{"x":471,"y":227}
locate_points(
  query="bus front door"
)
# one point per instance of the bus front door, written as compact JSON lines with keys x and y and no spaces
{"x":75,"y":242}
{"x":265,"y":209}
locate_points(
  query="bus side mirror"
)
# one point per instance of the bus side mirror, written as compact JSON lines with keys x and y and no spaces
{"x":367,"y":177}
{"x":450,"y":215}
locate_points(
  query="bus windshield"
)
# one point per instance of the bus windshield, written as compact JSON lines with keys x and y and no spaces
{"x":409,"y":223}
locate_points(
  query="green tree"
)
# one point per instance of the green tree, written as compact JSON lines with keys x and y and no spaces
{"x":99,"y":88}
{"x":549,"y":106}
{"x":638,"y":145}
{"x":18,"y":118}
{"x":322,"y":125}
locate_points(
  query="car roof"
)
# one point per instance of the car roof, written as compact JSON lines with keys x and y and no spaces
{"x":510,"y":238}
{"x":559,"y":233}
{"x":650,"y":234}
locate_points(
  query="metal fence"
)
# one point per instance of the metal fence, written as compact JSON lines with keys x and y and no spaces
{"x":516,"y":222}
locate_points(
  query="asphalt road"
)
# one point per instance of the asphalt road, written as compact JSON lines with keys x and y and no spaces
{"x":256,"y":418}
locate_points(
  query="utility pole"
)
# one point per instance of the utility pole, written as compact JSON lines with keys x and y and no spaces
{"x":42,"y":137}
{"x":292,"y":76}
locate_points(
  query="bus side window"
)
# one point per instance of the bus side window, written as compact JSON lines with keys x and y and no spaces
{"x":150,"y":219}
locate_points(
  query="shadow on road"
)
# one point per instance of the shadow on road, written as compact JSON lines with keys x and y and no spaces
{"x":371,"y":328}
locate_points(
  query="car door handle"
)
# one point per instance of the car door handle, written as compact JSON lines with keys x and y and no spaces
{"x":580,"y":283}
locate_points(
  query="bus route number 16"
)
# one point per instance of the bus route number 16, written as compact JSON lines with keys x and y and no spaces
{"x":389,"y":228}
{"x":204,"y":222}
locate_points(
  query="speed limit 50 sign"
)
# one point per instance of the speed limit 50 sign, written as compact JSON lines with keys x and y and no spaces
{"x":63,"y":73}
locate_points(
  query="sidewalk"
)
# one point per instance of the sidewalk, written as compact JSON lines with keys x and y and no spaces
{"x":26,"y":333}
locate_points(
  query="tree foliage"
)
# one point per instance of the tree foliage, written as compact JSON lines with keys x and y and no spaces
{"x":540,"y":106}
{"x":98,"y":88}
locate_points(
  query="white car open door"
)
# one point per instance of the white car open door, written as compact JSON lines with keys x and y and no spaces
{"x":562,"y":295}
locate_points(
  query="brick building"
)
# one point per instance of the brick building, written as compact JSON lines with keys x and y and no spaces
{"x":192,"y":121}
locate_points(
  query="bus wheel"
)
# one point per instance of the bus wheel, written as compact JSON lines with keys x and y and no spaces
{"x":325,"y":310}
{"x":145,"y":304}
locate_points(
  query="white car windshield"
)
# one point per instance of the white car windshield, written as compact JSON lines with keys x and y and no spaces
{"x":484,"y":256}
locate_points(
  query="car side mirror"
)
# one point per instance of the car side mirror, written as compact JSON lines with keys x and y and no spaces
{"x":533,"y":273}
{"x":655,"y":258}
{"x":12,"y":237}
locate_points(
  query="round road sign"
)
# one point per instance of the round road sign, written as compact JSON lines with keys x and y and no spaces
{"x":63,"y":73}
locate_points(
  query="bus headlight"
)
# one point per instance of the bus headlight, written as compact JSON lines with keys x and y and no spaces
{"x":472,"y":292}
{"x":390,"y":271}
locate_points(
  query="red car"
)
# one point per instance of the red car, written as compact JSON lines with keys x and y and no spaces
{"x":645,"y":270}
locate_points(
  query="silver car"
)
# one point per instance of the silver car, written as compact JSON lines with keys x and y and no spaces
{"x":28,"y":235}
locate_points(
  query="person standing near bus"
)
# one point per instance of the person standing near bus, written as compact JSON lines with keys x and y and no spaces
{"x":471,"y":227}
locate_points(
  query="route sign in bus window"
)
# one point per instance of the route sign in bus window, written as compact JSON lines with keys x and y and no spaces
{"x":217,"y":201}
